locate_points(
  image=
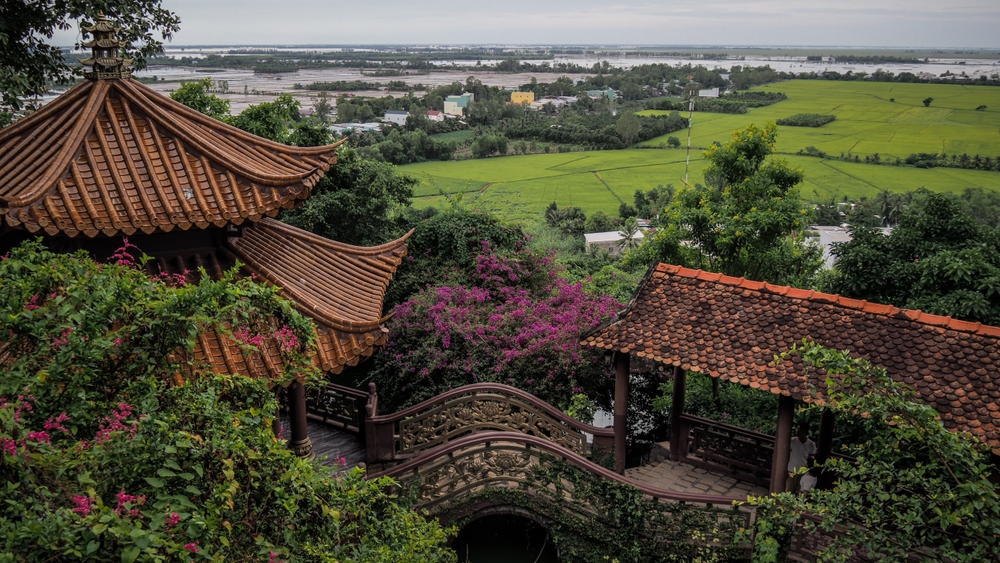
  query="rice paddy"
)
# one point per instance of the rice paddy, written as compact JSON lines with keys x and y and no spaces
{"x":520,"y":187}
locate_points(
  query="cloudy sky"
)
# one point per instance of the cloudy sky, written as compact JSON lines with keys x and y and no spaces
{"x":889,"y":23}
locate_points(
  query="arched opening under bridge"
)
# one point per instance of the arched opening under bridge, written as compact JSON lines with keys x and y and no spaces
{"x":504,"y":535}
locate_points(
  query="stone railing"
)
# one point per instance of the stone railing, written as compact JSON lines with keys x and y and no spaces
{"x":469,"y":410}
{"x":482,"y":473}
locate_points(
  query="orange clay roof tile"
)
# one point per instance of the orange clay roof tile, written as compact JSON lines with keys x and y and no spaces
{"x":732,"y":328}
{"x":114,"y":156}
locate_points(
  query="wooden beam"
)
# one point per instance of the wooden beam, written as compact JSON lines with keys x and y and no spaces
{"x":299,"y":443}
{"x":678,"y":430}
{"x":782,"y":444}
{"x":622,"y":365}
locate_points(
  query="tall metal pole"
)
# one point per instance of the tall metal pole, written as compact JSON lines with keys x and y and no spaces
{"x":687,"y":164}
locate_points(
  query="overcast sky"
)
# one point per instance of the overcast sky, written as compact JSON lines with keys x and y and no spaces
{"x":889,"y":23}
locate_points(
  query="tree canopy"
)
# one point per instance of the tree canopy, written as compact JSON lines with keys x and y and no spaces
{"x":28,"y":63}
{"x":938,"y":259}
{"x":746,"y":222}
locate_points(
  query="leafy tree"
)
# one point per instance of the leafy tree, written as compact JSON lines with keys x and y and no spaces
{"x":269,"y":119}
{"x":916,"y":487}
{"x":746,"y":223}
{"x":673,"y":142}
{"x":938,"y":259}
{"x":28,"y":63}
{"x":927,"y":101}
{"x":322,"y":107}
{"x":358,"y":201}
{"x":569,"y":220}
{"x":599,"y":222}
{"x":109,"y":454}
{"x":195,"y":96}
{"x":628,"y":127}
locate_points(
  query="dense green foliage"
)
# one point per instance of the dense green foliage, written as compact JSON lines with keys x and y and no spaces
{"x":358,"y":201}
{"x":28,"y":63}
{"x":938,"y":259}
{"x":916,"y":488}
{"x":734,"y":404}
{"x":806,"y":120}
{"x":118,"y":444}
{"x":744,"y":222}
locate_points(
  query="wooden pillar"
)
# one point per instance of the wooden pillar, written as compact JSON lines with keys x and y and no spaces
{"x":299,"y":443}
{"x":824,"y":447}
{"x":782,"y":444}
{"x":678,"y":430}
{"x":622,"y":365}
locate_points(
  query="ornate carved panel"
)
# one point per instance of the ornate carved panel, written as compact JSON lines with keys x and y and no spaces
{"x":479,"y":412}
{"x":335,"y":405}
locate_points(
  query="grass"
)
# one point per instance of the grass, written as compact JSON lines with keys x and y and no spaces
{"x":520,"y":187}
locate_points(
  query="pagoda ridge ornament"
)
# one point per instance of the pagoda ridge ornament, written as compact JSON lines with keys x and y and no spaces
{"x":105,"y":60}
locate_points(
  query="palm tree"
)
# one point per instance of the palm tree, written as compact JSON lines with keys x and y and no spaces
{"x":630,"y":235}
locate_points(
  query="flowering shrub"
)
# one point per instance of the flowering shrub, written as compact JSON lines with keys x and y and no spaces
{"x":518,"y":323}
{"x":105,"y":459}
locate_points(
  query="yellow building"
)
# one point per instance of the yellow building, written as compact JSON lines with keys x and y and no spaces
{"x":522,"y":97}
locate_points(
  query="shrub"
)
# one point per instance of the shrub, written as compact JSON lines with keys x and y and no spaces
{"x":518,"y":322}
{"x":806,"y":120}
{"x":106,"y":457}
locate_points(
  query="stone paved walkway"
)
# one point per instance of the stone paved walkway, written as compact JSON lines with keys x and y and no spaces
{"x":679,"y":476}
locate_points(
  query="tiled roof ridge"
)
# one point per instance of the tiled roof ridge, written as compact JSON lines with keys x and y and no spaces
{"x":891,"y":311}
{"x":334,"y":245}
{"x":114,"y":156}
{"x":382,"y":262}
{"x":140,"y":89}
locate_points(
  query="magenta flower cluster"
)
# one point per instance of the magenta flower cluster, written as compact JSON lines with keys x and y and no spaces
{"x":117,"y":422}
{"x":520,"y":325}
{"x":129,"y":504}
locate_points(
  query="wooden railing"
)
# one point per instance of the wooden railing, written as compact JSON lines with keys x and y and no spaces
{"x":338,"y":406}
{"x":469,"y":410}
{"x":723,"y":448}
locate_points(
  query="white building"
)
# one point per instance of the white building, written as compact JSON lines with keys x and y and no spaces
{"x":396,"y":116}
{"x":710,"y":93}
{"x":341,"y":128}
{"x":609,"y":241}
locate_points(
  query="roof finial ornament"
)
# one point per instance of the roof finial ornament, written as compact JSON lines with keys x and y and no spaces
{"x":105,"y":60}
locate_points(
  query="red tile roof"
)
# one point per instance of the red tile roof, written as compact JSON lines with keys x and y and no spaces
{"x":732,"y":328}
{"x":114,"y":156}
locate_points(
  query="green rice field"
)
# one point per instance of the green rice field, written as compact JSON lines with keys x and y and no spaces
{"x":520,"y":187}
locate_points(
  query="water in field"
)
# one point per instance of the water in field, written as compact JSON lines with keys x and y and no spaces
{"x":504,"y":538}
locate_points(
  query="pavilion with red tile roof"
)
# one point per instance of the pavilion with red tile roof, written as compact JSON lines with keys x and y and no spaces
{"x":112,"y":157}
{"x":732,"y":328}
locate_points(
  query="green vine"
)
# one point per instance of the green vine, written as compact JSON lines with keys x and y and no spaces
{"x":606,"y":520}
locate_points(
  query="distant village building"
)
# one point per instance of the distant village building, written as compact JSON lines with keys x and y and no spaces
{"x":522,"y":98}
{"x":341,"y":128}
{"x":609,"y":241}
{"x":397,"y":117}
{"x":609,"y":93}
{"x":709,"y":93}
{"x":453,"y":105}
{"x":435,"y":115}
{"x":556,"y":101}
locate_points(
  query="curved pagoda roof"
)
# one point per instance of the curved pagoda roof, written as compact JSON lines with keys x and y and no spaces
{"x":732,"y":328}
{"x":340,"y":286}
{"x":116,"y":157}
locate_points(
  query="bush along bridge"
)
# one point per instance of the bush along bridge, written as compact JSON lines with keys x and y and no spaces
{"x":488,"y":449}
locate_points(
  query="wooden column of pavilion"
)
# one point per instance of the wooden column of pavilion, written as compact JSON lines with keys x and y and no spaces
{"x":111,"y":157}
{"x":732,"y":329}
